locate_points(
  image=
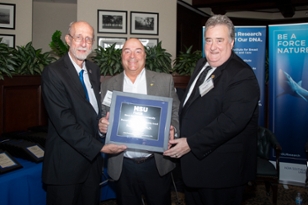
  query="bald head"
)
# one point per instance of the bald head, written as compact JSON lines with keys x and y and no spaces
{"x":80,"y":24}
{"x":133,"y":58}
{"x":133,"y":41}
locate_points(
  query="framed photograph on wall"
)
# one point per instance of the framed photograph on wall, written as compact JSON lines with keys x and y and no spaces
{"x":150,"y":42}
{"x":106,"y":42}
{"x":7,"y":16}
{"x":111,"y":21}
{"x":144,"y":23}
{"x":8,"y":39}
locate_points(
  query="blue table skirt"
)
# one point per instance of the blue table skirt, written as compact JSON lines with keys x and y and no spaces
{"x":24,"y":186}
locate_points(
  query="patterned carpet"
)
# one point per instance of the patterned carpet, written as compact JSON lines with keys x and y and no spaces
{"x":285,"y":196}
{"x":253,"y":196}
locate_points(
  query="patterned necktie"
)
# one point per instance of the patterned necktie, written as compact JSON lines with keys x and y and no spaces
{"x":195,"y":92}
{"x":83,"y":84}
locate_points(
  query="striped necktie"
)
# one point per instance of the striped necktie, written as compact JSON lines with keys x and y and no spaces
{"x":195,"y":92}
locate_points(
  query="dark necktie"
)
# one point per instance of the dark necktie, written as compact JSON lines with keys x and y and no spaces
{"x":195,"y":92}
{"x":83,"y":84}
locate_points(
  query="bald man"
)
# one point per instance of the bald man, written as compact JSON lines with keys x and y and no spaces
{"x":72,"y":166}
{"x":140,"y":173}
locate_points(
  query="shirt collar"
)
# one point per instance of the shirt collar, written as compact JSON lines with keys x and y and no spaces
{"x":78,"y":69}
{"x":140,"y":76}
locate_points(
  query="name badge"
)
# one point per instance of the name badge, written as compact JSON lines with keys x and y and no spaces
{"x":206,"y":87}
{"x":107,"y":98}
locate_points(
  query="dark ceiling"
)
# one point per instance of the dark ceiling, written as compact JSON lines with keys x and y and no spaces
{"x":286,"y":7}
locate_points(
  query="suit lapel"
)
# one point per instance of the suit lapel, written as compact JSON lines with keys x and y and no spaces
{"x":90,"y":74}
{"x":214,"y":76}
{"x":93,"y":82}
{"x":73,"y":75}
{"x":118,"y":82}
{"x":150,"y":81}
{"x":201,"y":65}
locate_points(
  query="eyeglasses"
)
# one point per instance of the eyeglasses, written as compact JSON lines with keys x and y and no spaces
{"x":79,"y":39}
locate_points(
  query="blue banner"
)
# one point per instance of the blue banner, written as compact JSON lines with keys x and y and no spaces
{"x":250,"y":46}
{"x":288,"y":99}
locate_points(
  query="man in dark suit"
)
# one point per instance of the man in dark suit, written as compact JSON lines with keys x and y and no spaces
{"x":218,"y":125}
{"x":72,"y":166}
{"x":140,"y":173}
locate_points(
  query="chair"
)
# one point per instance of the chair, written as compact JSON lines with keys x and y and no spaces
{"x":266,"y":171}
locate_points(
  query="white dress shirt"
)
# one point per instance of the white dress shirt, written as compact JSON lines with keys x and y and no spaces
{"x":86,"y":79}
{"x":140,"y":87}
{"x":195,"y":80}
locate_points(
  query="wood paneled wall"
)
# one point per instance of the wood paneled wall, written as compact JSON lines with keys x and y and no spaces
{"x":189,"y":29}
{"x":21,"y":104}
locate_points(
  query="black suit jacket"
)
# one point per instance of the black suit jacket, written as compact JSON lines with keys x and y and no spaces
{"x":72,"y":144}
{"x":221,"y":128}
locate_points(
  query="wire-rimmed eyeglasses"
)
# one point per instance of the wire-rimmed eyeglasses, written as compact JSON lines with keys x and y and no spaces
{"x":79,"y":39}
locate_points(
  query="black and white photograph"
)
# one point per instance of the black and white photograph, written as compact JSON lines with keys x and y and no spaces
{"x":7,"y":16}
{"x":149,"y":42}
{"x":8,"y":39}
{"x":144,"y":23}
{"x":111,"y":21}
{"x":106,"y":42}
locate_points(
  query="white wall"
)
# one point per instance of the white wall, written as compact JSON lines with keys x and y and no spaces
{"x":87,"y":10}
{"x":23,"y":21}
{"x":49,"y":17}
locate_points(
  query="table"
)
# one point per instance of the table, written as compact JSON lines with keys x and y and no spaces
{"x":24,"y":186}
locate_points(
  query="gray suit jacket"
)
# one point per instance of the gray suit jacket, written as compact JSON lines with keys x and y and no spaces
{"x":158,"y":84}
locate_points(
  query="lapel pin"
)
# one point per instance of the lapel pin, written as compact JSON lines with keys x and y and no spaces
{"x":90,"y":71}
{"x":151,"y":84}
{"x":213,"y":76}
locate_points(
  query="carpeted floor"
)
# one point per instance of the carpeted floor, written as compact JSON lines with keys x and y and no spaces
{"x":253,"y":196}
{"x":285,"y":196}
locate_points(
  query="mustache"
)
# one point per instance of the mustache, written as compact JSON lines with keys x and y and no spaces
{"x":82,"y":49}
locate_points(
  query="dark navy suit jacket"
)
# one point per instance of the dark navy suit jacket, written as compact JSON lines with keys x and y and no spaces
{"x":221,"y":128}
{"x":72,"y":144}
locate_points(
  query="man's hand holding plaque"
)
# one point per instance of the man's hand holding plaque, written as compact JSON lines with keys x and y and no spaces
{"x":109,"y":148}
{"x":138,"y":121}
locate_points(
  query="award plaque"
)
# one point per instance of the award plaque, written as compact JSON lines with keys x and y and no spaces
{"x":23,"y":149}
{"x":139,"y":121}
{"x":7,"y":162}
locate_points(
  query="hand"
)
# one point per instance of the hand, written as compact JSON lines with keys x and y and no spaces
{"x":180,"y":148}
{"x":103,"y":124}
{"x":171,"y":135}
{"x":113,"y":148}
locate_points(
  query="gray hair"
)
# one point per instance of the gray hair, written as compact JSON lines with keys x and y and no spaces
{"x":221,"y":20}
{"x":70,"y":27}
